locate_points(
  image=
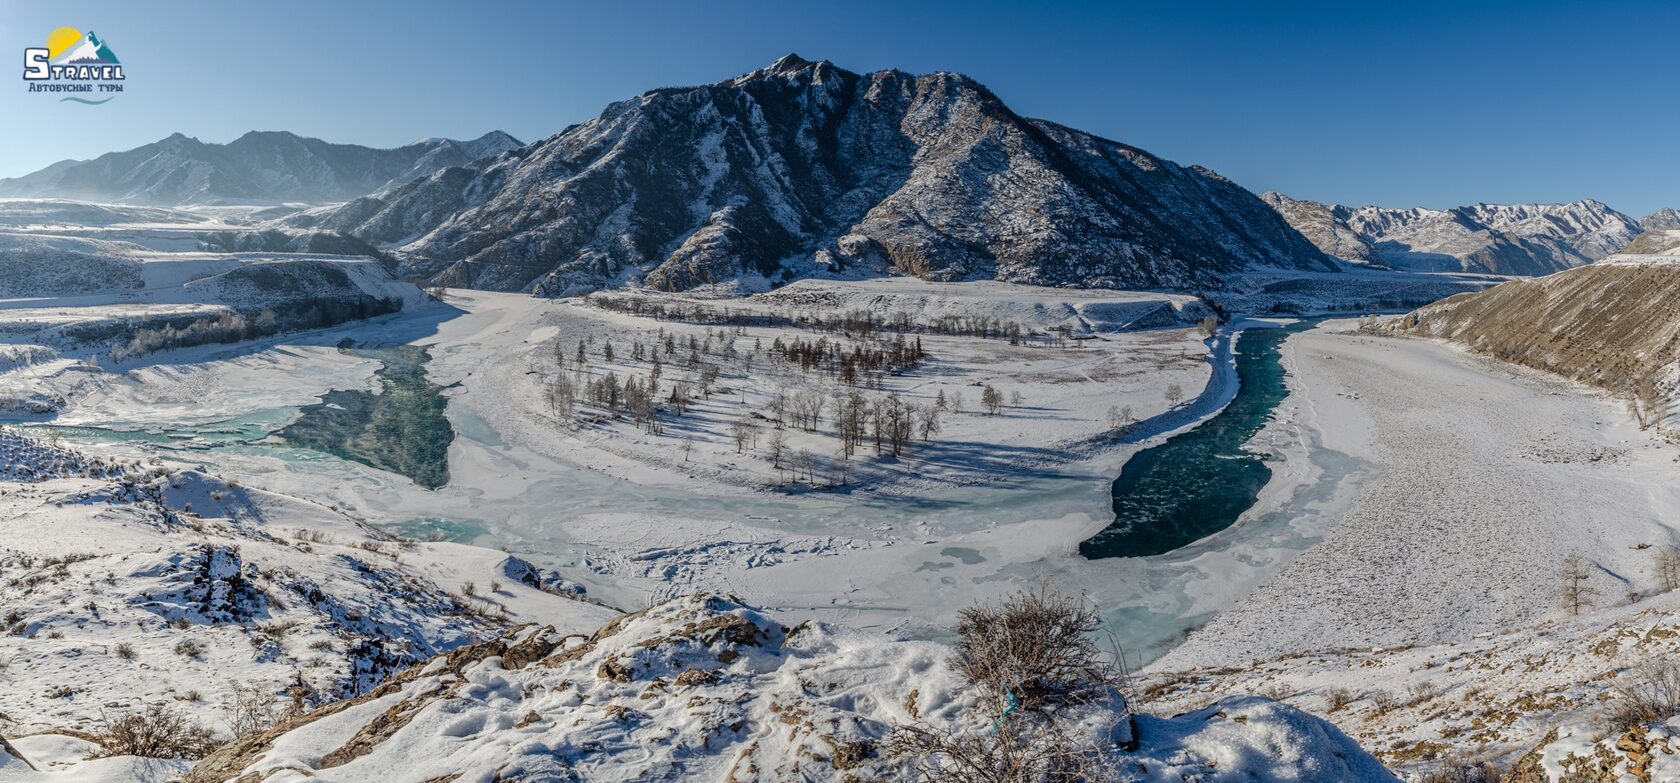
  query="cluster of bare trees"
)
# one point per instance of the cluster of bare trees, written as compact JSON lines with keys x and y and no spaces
{"x":887,"y":422}
{"x":865,"y":359}
{"x":149,"y":335}
{"x":854,"y":323}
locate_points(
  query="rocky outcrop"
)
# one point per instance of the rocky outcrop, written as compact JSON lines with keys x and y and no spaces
{"x":1638,"y":754}
{"x":803,"y":168}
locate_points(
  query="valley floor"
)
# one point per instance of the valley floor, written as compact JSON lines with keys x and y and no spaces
{"x":994,"y":502}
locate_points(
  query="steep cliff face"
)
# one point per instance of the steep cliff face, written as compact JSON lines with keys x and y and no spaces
{"x":802,"y":169}
{"x":1513,"y":239}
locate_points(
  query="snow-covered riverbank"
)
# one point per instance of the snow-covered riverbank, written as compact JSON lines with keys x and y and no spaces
{"x":1481,"y":479}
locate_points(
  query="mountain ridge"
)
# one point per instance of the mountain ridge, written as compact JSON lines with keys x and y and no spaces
{"x":257,"y":167}
{"x":1517,"y":239}
{"x":805,"y":169}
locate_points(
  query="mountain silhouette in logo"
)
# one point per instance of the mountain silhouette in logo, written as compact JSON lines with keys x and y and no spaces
{"x":91,"y":51}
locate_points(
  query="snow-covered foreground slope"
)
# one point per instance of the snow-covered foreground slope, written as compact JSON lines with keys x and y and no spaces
{"x":1494,"y":696}
{"x":702,"y":688}
{"x":128,"y":585}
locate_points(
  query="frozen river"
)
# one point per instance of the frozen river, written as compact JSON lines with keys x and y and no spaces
{"x":899,"y":563}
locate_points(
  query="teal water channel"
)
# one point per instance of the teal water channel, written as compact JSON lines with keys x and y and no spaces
{"x":1199,"y":482}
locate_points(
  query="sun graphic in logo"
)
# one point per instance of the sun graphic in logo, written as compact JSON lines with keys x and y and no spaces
{"x":59,"y":41}
{"x":69,"y":46}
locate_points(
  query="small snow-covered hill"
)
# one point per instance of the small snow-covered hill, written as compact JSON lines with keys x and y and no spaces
{"x":806,"y":169}
{"x":703,"y":688}
{"x":1510,"y":239}
{"x":257,"y":168}
{"x":37,"y":265}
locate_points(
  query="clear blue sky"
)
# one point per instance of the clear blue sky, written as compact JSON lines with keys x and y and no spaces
{"x":1393,"y":103}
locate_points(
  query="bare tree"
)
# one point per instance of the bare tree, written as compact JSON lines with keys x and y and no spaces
{"x":1574,"y":590}
{"x":1668,"y":567}
{"x":1016,"y":400}
{"x":930,"y":421}
{"x":742,"y":431}
{"x":1208,"y":325}
{"x":803,"y":461}
{"x":1174,"y":394}
{"x":777,"y":447}
{"x":688,"y":447}
{"x":991,"y":399}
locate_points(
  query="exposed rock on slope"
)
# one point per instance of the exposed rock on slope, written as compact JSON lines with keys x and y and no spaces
{"x":257,"y":168}
{"x":1615,"y":325}
{"x":703,"y":688}
{"x":803,"y":168}
{"x":1511,"y":239}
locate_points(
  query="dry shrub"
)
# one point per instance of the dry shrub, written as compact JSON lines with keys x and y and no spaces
{"x":1030,"y":749}
{"x":1035,"y":644}
{"x":252,"y":709}
{"x":1465,"y":770}
{"x":156,"y":732}
{"x":1651,"y":694}
{"x":1031,"y":657}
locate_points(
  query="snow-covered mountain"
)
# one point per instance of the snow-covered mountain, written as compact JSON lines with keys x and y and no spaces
{"x":257,"y":168}
{"x":803,"y":168}
{"x":1661,"y":220}
{"x":1514,"y":239}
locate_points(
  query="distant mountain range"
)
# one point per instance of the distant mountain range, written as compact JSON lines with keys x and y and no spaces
{"x":257,"y":168}
{"x":1512,"y":239}
{"x":803,"y":168}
